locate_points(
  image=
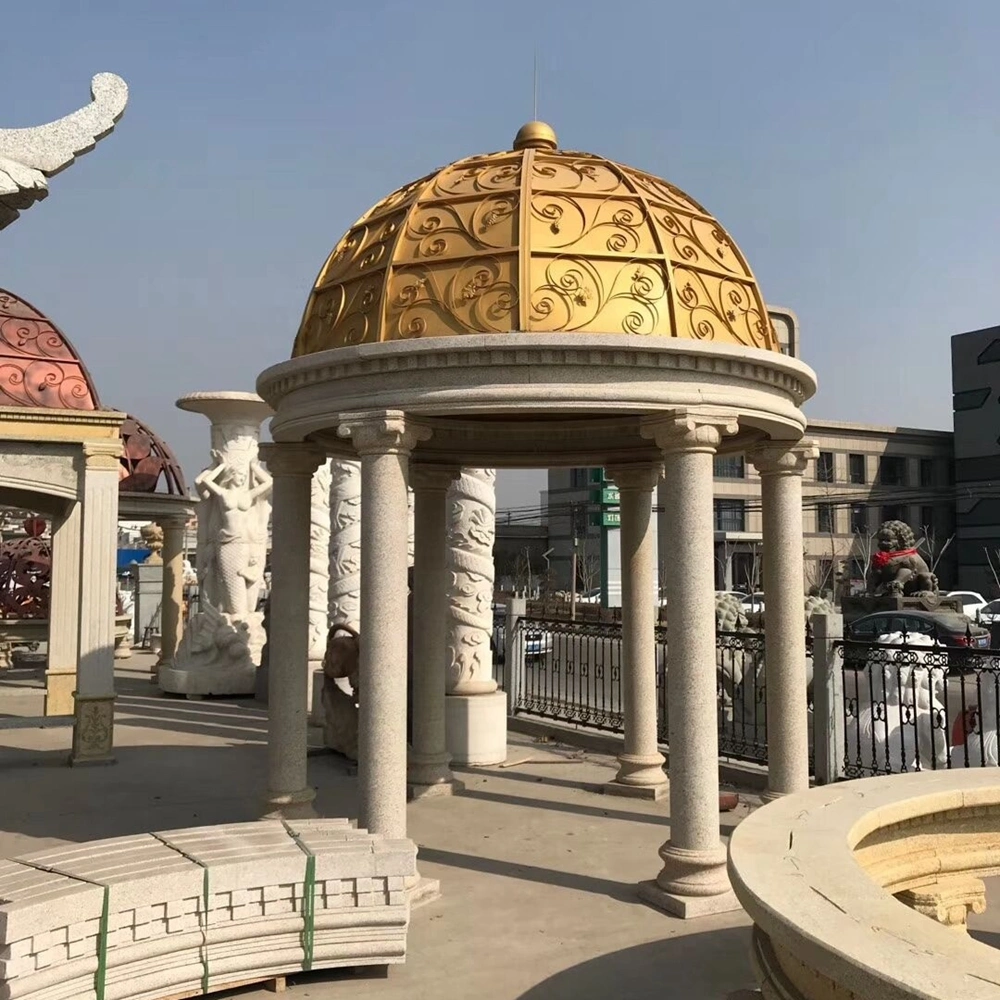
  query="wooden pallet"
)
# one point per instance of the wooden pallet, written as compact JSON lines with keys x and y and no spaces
{"x":279,"y":984}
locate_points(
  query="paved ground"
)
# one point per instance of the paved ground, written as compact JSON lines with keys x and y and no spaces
{"x":537,"y":869}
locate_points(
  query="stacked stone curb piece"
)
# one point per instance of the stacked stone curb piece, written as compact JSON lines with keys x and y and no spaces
{"x":189,"y":912}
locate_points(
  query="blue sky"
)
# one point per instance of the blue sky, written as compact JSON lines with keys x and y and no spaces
{"x":850,"y":148}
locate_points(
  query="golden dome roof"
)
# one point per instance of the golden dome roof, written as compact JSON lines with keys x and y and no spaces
{"x":535,"y":239}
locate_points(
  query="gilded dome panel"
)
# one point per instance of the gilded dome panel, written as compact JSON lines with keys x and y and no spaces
{"x":535,"y":239}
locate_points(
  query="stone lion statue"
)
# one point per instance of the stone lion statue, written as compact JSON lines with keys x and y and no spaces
{"x":897,"y":567}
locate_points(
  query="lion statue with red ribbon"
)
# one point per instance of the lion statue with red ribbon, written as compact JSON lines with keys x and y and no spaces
{"x":897,"y":567}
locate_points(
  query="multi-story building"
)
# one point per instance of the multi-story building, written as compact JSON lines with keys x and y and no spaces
{"x":864,"y":475}
{"x":975,"y":376}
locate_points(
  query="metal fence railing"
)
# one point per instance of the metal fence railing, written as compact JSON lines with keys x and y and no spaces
{"x":915,"y":705}
{"x":571,"y":671}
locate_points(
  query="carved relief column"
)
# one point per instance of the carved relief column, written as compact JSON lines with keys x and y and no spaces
{"x":640,"y":766}
{"x":384,"y":440}
{"x":429,"y":773}
{"x":288,"y":791}
{"x":693,"y":880}
{"x":319,"y":578}
{"x":64,"y":608}
{"x":172,"y":599}
{"x":781,"y":469}
{"x":477,"y":712}
{"x":339,"y":698}
{"x":93,"y":729}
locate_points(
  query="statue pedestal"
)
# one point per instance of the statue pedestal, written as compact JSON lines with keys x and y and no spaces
{"x":214,"y":657}
{"x":856,"y":607}
{"x":476,"y":727}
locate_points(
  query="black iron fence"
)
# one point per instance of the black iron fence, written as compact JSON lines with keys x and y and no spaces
{"x":571,"y":671}
{"x":916,"y":705}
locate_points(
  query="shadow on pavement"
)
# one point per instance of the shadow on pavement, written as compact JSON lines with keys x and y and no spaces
{"x":691,"y":967}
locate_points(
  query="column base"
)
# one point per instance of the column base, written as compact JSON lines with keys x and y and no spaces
{"x":652,"y":793}
{"x":640,"y":771}
{"x":291,"y":805}
{"x":59,"y":688}
{"x":93,"y":730}
{"x":440,"y":789}
{"x":688,"y":873}
{"x":687,"y":907}
{"x":422,"y":891}
{"x":476,"y":727}
{"x":214,"y":679}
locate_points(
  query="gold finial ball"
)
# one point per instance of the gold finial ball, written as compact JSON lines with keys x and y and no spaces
{"x":536,"y":135}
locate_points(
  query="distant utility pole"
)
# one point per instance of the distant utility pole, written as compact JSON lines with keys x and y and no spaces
{"x":576,"y":542}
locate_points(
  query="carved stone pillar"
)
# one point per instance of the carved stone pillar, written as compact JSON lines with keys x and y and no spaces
{"x":383,"y":440}
{"x":693,"y":880}
{"x":338,"y":708}
{"x":64,"y":609}
{"x":220,"y":650}
{"x":477,"y":712}
{"x":781,"y":470}
{"x":172,"y":598}
{"x":640,"y":765}
{"x":93,"y":729}
{"x":429,"y":773}
{"x":319,"y":577}
{"x":288,"y":791}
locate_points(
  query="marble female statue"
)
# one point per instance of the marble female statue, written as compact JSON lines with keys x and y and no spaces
{"x":232,"y":529}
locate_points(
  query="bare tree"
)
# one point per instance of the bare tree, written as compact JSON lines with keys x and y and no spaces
{"x":930,"y":547}
{"x":725,"y":558}
{"x":523,"y":576}
{"x":862,"y":549}
{"x":993,"y":561}
{"x":752,"y":569}
{"x":588,"y":566}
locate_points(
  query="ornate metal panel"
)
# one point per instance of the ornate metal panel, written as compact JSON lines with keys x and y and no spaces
{"x":26,"y":573}
{"x":535,"y":239}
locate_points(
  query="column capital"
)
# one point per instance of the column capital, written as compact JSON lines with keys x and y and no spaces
{"x":689,"y":429}
{"x":285,"y":458}
{"x":104,"y":455}
{"x":783,"y":459}
{"x":433,"y":477}
{"x":173,"y":521}
{"x":637,"y":476}
{"x":381,"y":432}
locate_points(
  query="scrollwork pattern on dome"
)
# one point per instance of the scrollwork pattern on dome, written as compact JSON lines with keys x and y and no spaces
{"x":723,"y":309}
{"x":535,"y":239}
{"x":38,"y":366}
{"x":574,"y":292}
{"x":478,"y":295}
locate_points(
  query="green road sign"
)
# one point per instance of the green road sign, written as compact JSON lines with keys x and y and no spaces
{"x":611,"y":519}
{"x":610,"y":496}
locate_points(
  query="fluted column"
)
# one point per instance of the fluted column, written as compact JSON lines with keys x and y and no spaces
{"x":693,"y":880}
{"x":93,"y":730}
{"x":289,"y":794}
{"x":383,"y":440}
{"x":64,"y":608}
{"x":640,"y":766}
{"x":781,"y":469}
{"x":172,"y":598}
{"x":429,"y":773}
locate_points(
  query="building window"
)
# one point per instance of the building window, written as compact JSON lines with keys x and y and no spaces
{"x":578,"y":478}
{"x":857,"y":464}
{"x":824,"y":467}
{"x":729,"y":467}
{"x":730,"y":515}
{"x":892,"y":471}
{"x":826,"y":518}
{"x":893,"y":512}
{"x":927,"y":472}
{"x":859,"y":519}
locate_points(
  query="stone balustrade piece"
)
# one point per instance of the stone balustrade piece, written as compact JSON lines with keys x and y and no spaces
{"x":187,"y":912}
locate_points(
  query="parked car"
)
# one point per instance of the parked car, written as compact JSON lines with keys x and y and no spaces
{"x":989,"y":614}
{"x":754,"y":603}
{"x":947,"y":628}
{"x":537,"y":644}
{"x":971,"y":601}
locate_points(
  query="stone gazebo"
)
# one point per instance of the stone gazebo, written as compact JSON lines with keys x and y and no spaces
{"x":59,"y":456}
{"x":528,"y":309}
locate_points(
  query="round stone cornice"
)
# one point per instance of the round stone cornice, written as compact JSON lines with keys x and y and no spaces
{"x":536,"y":400}
{"x":769,"y":368}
